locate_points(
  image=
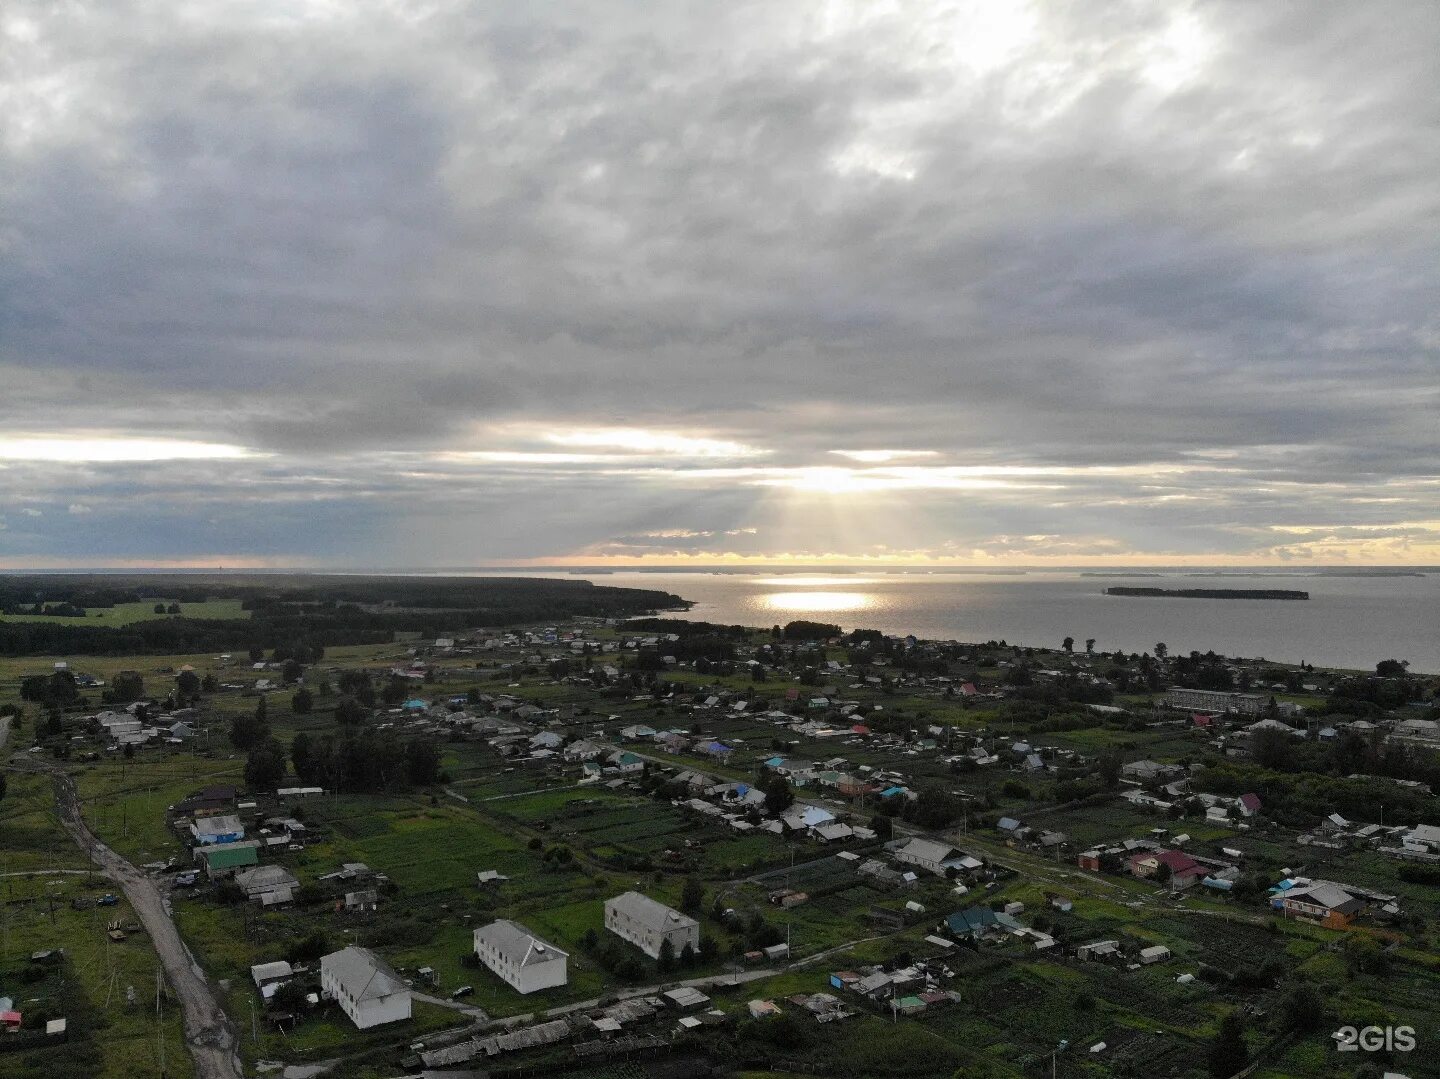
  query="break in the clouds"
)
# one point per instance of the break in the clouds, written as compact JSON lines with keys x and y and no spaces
{"x":368,"y":283}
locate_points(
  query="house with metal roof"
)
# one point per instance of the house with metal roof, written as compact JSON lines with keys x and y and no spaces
{"x":263,"y":973}
{"x":223,"y":859}
{"x":525,"y":962}
{"x":267,"y":884}
{"x":365,"y":987}
{"x":224,"y":828}
{"x":649,"y":925}
{"x":978,"y":921}
{"x":1329,"y":904}
{"x":929,"y":854}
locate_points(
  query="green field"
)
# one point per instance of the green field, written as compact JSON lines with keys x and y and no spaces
{"x":122,"y":614}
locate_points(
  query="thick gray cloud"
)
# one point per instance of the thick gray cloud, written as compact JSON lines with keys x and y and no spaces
{"x":1177,"y":261}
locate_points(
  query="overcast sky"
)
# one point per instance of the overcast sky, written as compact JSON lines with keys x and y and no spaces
{"x":419,"y":283}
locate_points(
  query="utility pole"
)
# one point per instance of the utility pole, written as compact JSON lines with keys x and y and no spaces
{"x":159,"y":1026}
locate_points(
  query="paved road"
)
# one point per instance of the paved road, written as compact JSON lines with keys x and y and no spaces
{"x":208,"y":1031}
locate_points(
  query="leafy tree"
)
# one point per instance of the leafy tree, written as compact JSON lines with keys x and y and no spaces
{"x":692,"y":895}
{"x":159,"y":608}
{"x":187,"y":684}
{"x":1301,"y":1009}
{"x":290,"y":997}
{"x":1392,"y":668}
{"x":1274,"y":749}
{"x":62,"y":688}
{"x":309,"y":948}
{"x":1161,"y":651}
{"x":210,"y":684}
{"x":1089,"y":645}
{"x":349,"y":712}
{"x":1364,"y":955}
{"x":801,"y":630}
{"x":422,"y":763}
{"x":687,"y":955}
{"x":882,"y":826}
{"x":1228,"y":1052}
{"x":666,"y":963}
{"x":1110,"y":766}
{"x":303,"y":758}
{"x":265,"y":766}
{"x":778,"y":796}
{"x":302,"y":701}
{"x":246,"y":732}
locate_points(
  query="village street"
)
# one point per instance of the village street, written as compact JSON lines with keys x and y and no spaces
{"x":208,"y":1031}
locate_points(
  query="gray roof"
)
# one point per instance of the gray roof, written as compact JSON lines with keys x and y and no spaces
{"x":1326,"y":895}
{"x":652,"y":915}
{"x":266,"y":876}
{"x":263,"y":972}
{"x":362,"y":973}
{"x":518,"y":944}
{"x":927,"y":850}
{"x":219,"y":825}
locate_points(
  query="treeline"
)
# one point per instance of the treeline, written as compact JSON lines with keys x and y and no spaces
{"x":21,"y":594}
{"x":459,"y":593}
{"x":682,"y":628}
{"x":176,"y":635}
{"x":1300,"y":799}
{"x":362,"y":759}
{"x":277,"y":621}
{"x":702,"y":646}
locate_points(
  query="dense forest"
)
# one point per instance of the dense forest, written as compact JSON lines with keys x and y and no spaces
{"x":323,"y":610}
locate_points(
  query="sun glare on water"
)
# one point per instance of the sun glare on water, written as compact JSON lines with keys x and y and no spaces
{"x":818,"y":602}
{"x":816,"y":580}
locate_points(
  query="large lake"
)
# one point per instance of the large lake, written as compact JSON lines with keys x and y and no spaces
{"x":1347,"y":622}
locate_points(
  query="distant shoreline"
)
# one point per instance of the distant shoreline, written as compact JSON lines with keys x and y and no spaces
{"x":1207,"y":593}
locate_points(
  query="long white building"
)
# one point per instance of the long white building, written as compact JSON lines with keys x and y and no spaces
{"x":527,"y":963}
{"x":648,"y":925}
{"x":1213,"y":700}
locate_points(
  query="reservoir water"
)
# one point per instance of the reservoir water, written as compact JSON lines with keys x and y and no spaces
{"x":1347,"y":622}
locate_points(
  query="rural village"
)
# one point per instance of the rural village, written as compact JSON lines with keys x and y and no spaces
{"x":651,"y":847}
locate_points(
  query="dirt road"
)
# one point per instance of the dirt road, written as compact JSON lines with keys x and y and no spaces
{"x":208,"y":1032}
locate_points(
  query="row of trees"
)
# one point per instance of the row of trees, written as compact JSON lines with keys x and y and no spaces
{"x":360,"y":760}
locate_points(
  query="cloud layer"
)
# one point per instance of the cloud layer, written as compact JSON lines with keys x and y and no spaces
{"x":442,"y":283}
